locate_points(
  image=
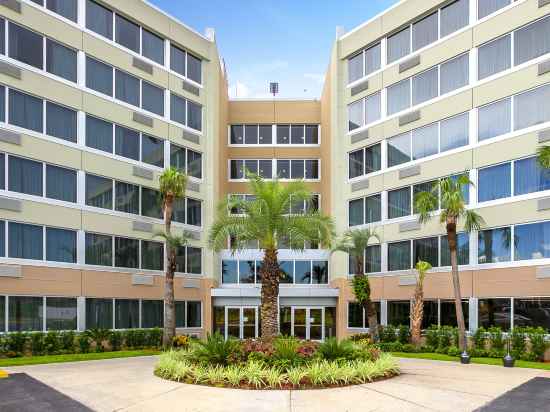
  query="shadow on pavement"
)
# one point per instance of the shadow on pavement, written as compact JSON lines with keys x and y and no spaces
{"x":21,"y":392}
{"x":532,"y":396}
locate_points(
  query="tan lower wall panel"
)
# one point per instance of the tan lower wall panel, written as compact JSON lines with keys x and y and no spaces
{"x":36,"y":280}
{"x":520,"y":281}
{"x":119,"y":285}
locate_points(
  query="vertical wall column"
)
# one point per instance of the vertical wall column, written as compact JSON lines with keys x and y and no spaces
{"x":383,"y":312}
{"x":472,"y":313}
{"x":81,"y":313}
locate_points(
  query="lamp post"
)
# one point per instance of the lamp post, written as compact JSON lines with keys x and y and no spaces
{"x":465,"y":357}
{"x":508,"y":360}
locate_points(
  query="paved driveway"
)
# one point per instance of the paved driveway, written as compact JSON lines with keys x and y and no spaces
{"x":129,"y":385}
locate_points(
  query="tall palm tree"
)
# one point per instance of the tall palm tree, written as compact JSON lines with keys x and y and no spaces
{"x":266,"y":218}
{"x":422,"y":268}
{"x":543,"y":156}
{"x":453,"y":208}
{"x":172,"y":188}
{"x":354,"y":242}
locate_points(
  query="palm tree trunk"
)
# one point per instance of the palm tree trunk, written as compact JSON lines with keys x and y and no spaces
{"x":169,"y":308}
{"x":417,"y":314}
{"x":269,"y":311}
{"x":451,"y":236}
{"x":372,"y":316}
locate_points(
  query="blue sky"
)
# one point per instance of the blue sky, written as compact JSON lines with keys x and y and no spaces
{"x":288,"y":41}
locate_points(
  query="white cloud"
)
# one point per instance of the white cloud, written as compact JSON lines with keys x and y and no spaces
{"x":317,"y":77}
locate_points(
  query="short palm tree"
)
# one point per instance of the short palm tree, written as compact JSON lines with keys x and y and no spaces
{"x":543,"y":156}
{"x":422,"y":268}
{"x":453,"y":208}
{"x":266,"y":218}
{"x":354,"y":242}
{"x":172,"y":188}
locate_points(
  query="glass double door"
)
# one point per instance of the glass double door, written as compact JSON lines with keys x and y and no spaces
{"x":241,"y":322}
{"x":308,"y":323}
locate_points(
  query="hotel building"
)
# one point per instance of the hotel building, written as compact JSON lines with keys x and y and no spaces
{"x":96,"y":98}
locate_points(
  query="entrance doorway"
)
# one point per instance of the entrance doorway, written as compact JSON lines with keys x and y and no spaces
{"x":308,"y":323}
{"x":241,"y":322}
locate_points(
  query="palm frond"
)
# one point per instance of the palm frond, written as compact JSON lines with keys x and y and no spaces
{"x":424,"y":204}
{"x":543,"y":156}
{"x":473,"y":221}
{"x":173,"y":240}
{"x":172,"y":182}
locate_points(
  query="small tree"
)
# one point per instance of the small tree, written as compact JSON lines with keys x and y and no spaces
{"x":453,"y":208}
{"x":172,"y":188}
{"x":543,"y":156}
{"x":418,"y":302}
{"x":354,"y":243}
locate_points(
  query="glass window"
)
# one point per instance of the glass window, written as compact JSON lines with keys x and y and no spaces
{"x":373,"y":107}
{"x":60,"y":183}
{"x":486,"y":7}
{"x":152,"y":46}
{"x":25,"y":111}
{"x":287,"y":271}
{"x":2,"y":100}
{"x":297,"y":134}
{"x":126,"y":252}
{"x":454,"y":132}
{"x":60,"y":245}
{"x":152,"y":313}
{"x":312,"y":134}
{"x":2,"y":313}
{"x":180,"y":314}
{"x":425,"y":86}
{"x":355,"y":212}
{"x":531,"y":312}
{"x":2,"y":241}
{"x":99,"y":249}
{"x":151,"y":203}
{"x":283,"y":134}
{"x":99,"y":313}
{"x":24,"y":176}
{"x":356,"y":163}
{"x":425,"y":141}
{"x":126,"y":197}
{"x":355,"y":315}
{"x":429,"y":317}
{"x":99,"y":76}
{"x":178,"y":157}
{"x":532,"y":41}
{"x":530,"y":108}
{"x":177,"y":60}
{"x":356,"y":67}
{"x":229,"y":271}
{"x":126,"y":142}
{"x":152,"y":255}
{"x":126,"y":87}
{"x":25,"y":241}
{"x":399,"y":149}
{"x":126,"y":313}
{"x":194,"y":260}
{"x":265,"y":168}
{"x":426,"y":249}
{"x":65,"y":8}
{"x":455,"y":74}
{"x":399,"y":255}
{"x":193,"y":212}
{"x":373,"y":158}
{"x":237,"y":169}
{"x":194,"y":70}
{"x":99,"y":192}
{"x":373,"y":59}
{"x":61,"y":122}
{"x":99,"y":19}
{"x":194,"y":314}
{"x":320,"y":272}
{"x":399,"y":45}
{"x":494,"y":119}
{"x":283,"y":169}
{"x":494,"y":245}
{"x":399,"y":96}
{"x":25,"y":46}
{"x":448,"y":313}
{"x":302,"y":271}
{"x":355,"y":115}
{"x":296,"y":169}
{"x":532,"y":241}
{"x":312,"y":169}
{"x":399,"y":312}
{"x":61,"y":60}
{"x":251,"y":134}
{"x":454,"y":17}
{"x":152,"y":150}
{"x":127,"y":33}
{"x":2,"y":51}
{"x":399,"y":202}
{"x":194,"y":115}
{"x":494,"y":312}
{"x":177,"y":109}
{"x":425,"y":31}
{"x":494,"y":57}
{"x":99,"y":134}
{"x":152,"y":98}
{"x":373,"y":259}
{"x":529,"y":177}
{"x":424,"y":187}
{"x":61,"y":313}
{"x":25,"y":314}
{"x":246,"y":271}
{"x":462,"y":249}
{"x":237,"y":134}
{"x":494,"y":182}
{"x":373,"y":209}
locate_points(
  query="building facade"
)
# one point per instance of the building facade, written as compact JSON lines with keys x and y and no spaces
{"x":96,"y":98}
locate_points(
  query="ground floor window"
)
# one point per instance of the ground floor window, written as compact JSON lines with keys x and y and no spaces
{"x":399,"y":312}
{"x":2,"y":313}
{"x":532,"y":312}
{"x":447,"y":311}
{"x":61,"y":313}
{"x":494,"y":312}
{"x":152,"y":313}
{"x":430,"y":316}
{"x":188,"y":314}
{"x":99,"y":313}
{"x":25,"y":313}
{"x":357,"y":316}
{"x":126,"y":313}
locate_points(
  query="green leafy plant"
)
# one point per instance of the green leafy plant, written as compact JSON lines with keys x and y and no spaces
{"x":388,"y":334}
{"x":538,"y":343}
{"x":519,"y":342}
{"x":215,"y":350}
{"x":115,"y":339}
{"x":37,"y":343}
{"x":403,"y":334}
{"x":331,"y":349}
{"x":98,"y":336}
{"x":67,"y":341}
{"x":496,"y":338}
{"x":52,"y":342}
{"x":83,"y":341}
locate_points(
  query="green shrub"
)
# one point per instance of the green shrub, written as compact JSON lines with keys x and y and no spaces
{"x":37,"y":343}
{"x":16,"y":342}
{"x":332,"y":350}
{"x":409,"y":348}
{"x":215,"y":350}
{"x":52,"y":343}
{"x":538,"y":342}
{"x":286,"y":352}
{"x":403,"y":334}
{"x":83,"y":341}
{"x":496,"y":338}
{"x":518,"y":342}
{"x":388,"y":334}
{"x":453,"y":351}
{"x":432,"y":337}
{"x":115,"y":339}
{"x":67,"y":341}
{"x":479,"y":338}
{"x":154,"y":338}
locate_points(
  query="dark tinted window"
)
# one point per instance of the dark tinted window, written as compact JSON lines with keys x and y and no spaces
{"x":25,"y":241}
{"x":61,"y":122}
{"x":65,"y":8}
{"x":60,"y":245}
{"x":99,"y":192}
{"x":152,"y":150}
{"x":99,"y":76}
{"x":152,"y":46}
{"x":194,"y":68}
{"x":60,"y":183}
{"x":26,"y":46}
{"x":126,"y":88}
{"x":99,"y":250}
{"x":99,"y":134}
{"x":25,"y":176}
{"x":126,"y":198}
{"x":99,"y":19}
{"x":25,"y":111}
{"x":126,"y":142}
{"x":152,"y":98}
{"x":126,"y":252}
{"x":127,"y":33}
{"x":61,"y":60}
{"x":177,"y":60}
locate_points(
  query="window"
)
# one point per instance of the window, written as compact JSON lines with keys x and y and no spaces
{"x":25,"y":241}
{"x":99,"y":192}
{"x":247,"y":271}
{"x":61,"y":313}
{"x":494,"y":245}
{"x":99,"y":313}
{"x":194,"y":115}
{"x":152,"y":98}
{"x":99,"y":250}
{"x":425,"y":31}
{"x":177,"y":109}
{"x":357,"y":317}
{"x":454,"y":132}
{"x":2,"y":51}
{"x":152,"y":46}
{"x":25,"y":314}
{"x":399,"y":149}
{"x":319,"y":272}
{"x":194,"y":68}
{"x":126,"y":252}
{"x":399,"y":312}
{"x":486,"y":7}
{"x":229,"y":271}
{"x":530,"y":107}
{"x":283,"y":169}
{"x":373,"y":259}
{"x":61,"y":122}
{"x":356,"y":67}
{"x":186,"y":160}
{"x":312,"y":134}
{"x":2,"y":241}
{"x":355,"y":115}
{"x":99,"y":76}
{"x":426,"y":249}
{"x":189,"y":260}
{"x":152,"y":255}
{"x":373,"y":104}
{"x":152,"y":150}
{"x":283,"y":134}
{"x":399,"y":45}
{"x":529,"y":177}
{"x":373,"y":208}
{"x":425,"y":187}
{"x":302,"y":271}
{"x":152,"y":313}
{"x":126,"y":142}
{"x":126,"y":313}
{"x":126,"y":198}
{"x":356,"y":215}
{"x":454,"y":17}
{"x":193,"y":214}
{"x":399,"y":202}
{"x":151,"y":203}
{"x":312,"y":169}
{"x":425,"y":141}
{"x":60,"y":245}
{"x":399,"y":255}
{"x":99,"y":19}
{"x":25,"y":111}
{"x":364,"y":63}
{"x":494,"y":182}
{"x":494,"y":312}
{"x":447,"y":310}
{"x":126,"y":88}
{"x":2,"y":102}
{"x":462,"y":249}
{"x":177,"y":60}
{"x":356,"y":163}
{"x":2,"y":313}
{"x":188,"y":314}
{"x":185,"y":64}
{"x":494,"y":119}
{"x":25,"y":46}
{"x":61,"y":60}
{"x":25,"y":176}
{"x":430,"y":314}
{"x":127,"y":33}
{"x":425,"y":86}
{"x":454,"y":74}
{"x":61,"y":183}
{"x":399,"y":96}
{"x":532,"y":241}
{"x":531,"y":41}
{"x":531,"y":312}
{"x":364,"y":111}
{"x":494,"y":57}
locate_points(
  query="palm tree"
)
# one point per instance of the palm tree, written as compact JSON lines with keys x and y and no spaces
{"x":354,"y":243}
{"x":418,"y":302}
{"x":266,"y":218}
{"x":453,"y":208}
{"x":543,"y":156}
{"x":172,"y":188}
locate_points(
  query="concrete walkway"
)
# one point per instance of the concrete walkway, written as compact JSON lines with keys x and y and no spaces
{"x":129,"y":385}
